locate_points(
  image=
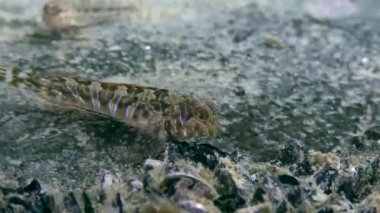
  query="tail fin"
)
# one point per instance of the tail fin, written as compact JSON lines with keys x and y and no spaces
{"x":3,"y":74}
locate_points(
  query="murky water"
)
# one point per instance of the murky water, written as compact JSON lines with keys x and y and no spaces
{"x":274,"y":75}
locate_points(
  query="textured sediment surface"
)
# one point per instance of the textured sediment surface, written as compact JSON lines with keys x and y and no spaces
{"x":283,"y":79}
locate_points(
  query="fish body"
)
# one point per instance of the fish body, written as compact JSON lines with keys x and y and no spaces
{"x":158,"y":112}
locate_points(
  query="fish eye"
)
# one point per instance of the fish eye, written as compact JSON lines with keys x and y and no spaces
{"x":203,"y":114}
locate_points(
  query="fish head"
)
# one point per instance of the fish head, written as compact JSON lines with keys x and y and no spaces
{"x":192,"y":119}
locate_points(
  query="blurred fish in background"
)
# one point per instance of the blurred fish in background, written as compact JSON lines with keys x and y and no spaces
{"x":28,"y":17}
{"x":330,"y":9}
{"x":60,"y":15}
{"x":359,"y":10}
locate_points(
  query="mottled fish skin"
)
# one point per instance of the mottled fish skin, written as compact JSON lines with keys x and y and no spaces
{"x":59,"y":15}
{"x":158,"y":112}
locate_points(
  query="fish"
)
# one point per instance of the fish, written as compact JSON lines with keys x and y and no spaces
{"x":60,"y":15}
{"x":161,"y":113}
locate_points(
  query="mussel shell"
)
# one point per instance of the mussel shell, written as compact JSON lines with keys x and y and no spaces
{"x":192,"y":206}
{"x":199,"y":187}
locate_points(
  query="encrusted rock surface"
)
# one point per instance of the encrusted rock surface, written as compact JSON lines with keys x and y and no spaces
{"x":201,"y":178}
{"x":297,"y":94}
